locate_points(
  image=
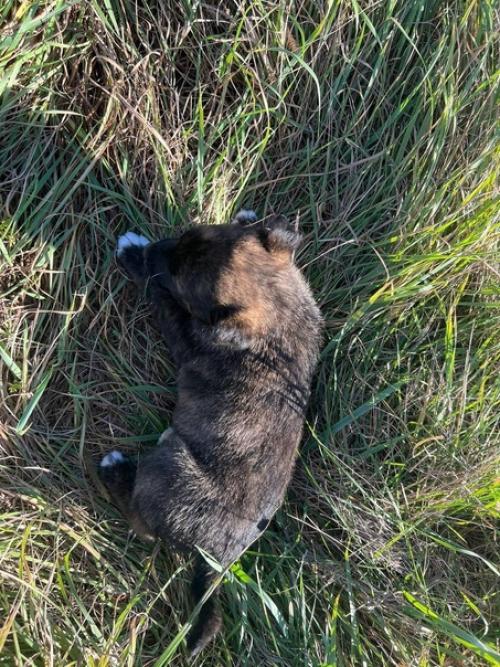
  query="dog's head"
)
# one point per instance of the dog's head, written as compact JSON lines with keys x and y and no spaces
{"x":232,"y":274}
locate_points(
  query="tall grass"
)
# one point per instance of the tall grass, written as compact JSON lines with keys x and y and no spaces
{"x":373,"y":123}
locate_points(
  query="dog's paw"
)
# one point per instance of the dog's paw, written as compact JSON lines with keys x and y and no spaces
{"x":112,"y":459}
{"x":115,"y":467}
{"x":245,"y":217}
{"x":117,"y":472}
{"x":130,"y":240}
{"x":130,"y":255}
{"x":162,"y":440}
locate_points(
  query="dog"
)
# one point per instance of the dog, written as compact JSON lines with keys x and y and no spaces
{"x":244,"y":333}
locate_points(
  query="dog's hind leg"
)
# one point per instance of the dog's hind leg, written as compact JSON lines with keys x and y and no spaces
{"x":117,"y":472}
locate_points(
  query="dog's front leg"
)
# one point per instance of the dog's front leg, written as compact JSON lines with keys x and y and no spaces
{"x":130,"y":256}
{"x":175,"y":324}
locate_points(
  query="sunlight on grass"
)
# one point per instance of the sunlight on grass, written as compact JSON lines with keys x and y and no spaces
{"x":373,"y":124}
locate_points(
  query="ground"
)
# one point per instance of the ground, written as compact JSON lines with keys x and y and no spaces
{"x":371,"y":123}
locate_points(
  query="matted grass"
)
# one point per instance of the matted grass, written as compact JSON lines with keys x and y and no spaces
{"x":373,"y":122}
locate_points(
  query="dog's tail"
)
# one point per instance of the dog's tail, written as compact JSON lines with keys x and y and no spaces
{"x":209,"y":621}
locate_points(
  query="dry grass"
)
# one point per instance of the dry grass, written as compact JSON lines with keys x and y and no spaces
{"x":371,"y":121}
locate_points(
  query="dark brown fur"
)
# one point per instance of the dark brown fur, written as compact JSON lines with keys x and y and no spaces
{"x":243,"y":329}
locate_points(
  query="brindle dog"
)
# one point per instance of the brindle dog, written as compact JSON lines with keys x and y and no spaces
{"x":244,"y":331}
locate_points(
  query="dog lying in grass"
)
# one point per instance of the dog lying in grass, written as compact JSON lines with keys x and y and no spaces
{"x":243,"y":330}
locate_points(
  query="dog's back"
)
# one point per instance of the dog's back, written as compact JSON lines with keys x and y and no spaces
{"x":236,"y":427}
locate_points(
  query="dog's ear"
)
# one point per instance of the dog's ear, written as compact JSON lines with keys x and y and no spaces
{"x":279,"y":237}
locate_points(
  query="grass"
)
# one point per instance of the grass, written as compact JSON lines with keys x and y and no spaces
{"x":373,"y":122}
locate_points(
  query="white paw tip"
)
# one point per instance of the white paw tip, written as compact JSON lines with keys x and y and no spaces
{"x":130,"y":239}
{"x":246,"y":215}
{"x":112,"y":459}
